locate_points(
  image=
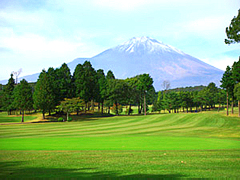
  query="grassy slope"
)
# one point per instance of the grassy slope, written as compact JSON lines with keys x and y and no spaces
{"x":155,"y":146}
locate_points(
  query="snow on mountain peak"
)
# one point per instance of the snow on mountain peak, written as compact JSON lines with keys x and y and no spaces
{"x":144,"y":44}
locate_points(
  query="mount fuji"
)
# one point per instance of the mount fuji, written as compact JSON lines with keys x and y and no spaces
{"x":163,"y":62}
{"x":146,"y":55}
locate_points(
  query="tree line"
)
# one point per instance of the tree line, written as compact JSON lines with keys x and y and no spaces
{"x":186,"y":100}
{"x":55,"y":90}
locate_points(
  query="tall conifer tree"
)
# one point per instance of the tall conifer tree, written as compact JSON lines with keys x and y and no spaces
{"x":23,"y":97}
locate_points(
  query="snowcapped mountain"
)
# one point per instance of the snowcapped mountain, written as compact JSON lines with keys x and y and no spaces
{"x":163,"y":62}
{"x":143,"y":45}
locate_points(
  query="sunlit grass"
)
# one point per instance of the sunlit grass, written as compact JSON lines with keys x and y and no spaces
{"x":191,"y":145}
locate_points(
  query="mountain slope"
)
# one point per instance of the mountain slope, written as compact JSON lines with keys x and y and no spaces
{"x":163,"y":62}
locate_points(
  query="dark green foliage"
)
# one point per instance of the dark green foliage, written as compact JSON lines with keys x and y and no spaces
{"x":44,"y":96}
{"x":144,"y":85}
{"x":233,"y":31}
{"x":8,"y":95}
{"x":116,"y":91}
{"x":236,"y":72}
{"x":110,"y":75}
{"x":228,"y":83}
{"x":188,"y":89}
{"x":63,"y":81}
{"x":101,"y":88}
{"x":23,"y":99}
{"x":78,"y":80}
{"x":89,"y":86}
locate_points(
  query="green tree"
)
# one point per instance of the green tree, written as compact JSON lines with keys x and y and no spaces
{"x":78,"y":81}
{"x":116,"y":92}
{"x":211,"y":91}
{"x":23,"y":97}
{"x":109,"y":78}
{"x":236,"y":76}
{"x":237,"y":95}
{"x":228,"y":84}
{"x":64,"y":82}
{"x":102,"y":87}
{"x":158,"y":103}
{"x":8,"y":95}
{"x":144,"y":85}
{"x":89,"y":88}
{"x":53,"y":80}
{"x":44,"y":97}
{"x":70,"y":105}
{"x":110,"y":75}
{"x":233,"y":31}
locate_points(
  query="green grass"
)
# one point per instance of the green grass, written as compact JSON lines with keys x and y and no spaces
{"x":4,"y":118}
{"x":194,"y":145}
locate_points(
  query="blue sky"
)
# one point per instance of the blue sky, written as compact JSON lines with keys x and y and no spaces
{"x":45,"y":33}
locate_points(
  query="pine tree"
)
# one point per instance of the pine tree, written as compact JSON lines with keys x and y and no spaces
{"x":228,"y":83}
{"x":233,"y":31}
{"x":64,"y":80}
{"x":23,"y":97}
{"x":102,"y":87}
{"x":89,"y":90}
{"x":144,"y":84}
{"x":8,"y":95}
{"x":44,"y":97}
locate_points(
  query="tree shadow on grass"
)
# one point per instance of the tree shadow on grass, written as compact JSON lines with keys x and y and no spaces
{"x":17,"y":170}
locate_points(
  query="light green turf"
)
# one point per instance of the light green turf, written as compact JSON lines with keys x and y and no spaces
{"x":118,"y":143}
{"x":197,"y":145}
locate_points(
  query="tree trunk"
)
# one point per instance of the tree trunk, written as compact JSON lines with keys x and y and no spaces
{"x":49,"y":112}
{"x":23,"y":116}
{"x":129,"y":109}
{"x":67,"y":116}
{"x":145,"y":108}
{"x":238,"y":108}
{"x":116,"y":108}
{"x":102,"y":108}
{"x":227,"y":103}
{"x":139,"y":111}
{"x":85,"y":109}
{"x":99,"y":107}
{"x":232,"y":107}
{"x":43,"y":115}
{"x":92,"y":104}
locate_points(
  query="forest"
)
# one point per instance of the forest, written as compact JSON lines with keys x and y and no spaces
{"x":58,"y":92}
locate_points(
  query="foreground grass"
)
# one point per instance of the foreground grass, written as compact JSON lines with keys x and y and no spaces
{"x":197,"y":145}
{"x":120,"y":164}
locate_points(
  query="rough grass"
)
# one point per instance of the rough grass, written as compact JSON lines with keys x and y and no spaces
{"x":194,"y":145}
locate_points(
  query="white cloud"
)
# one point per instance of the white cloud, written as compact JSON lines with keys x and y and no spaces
{"x":221,"y":62}
{"x":207,"y":26}
{"x":120,"y":4}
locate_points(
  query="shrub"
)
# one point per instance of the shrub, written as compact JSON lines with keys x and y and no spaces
{"x":69,"y":119}
{"x":60,"y":119}
{"x":119,"y":107}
